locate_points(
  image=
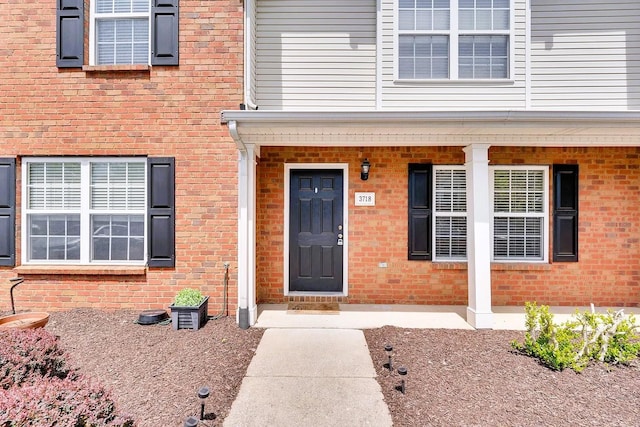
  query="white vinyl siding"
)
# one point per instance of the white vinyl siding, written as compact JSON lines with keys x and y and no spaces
{"x":84,"y":211}
{"x":447,"y":94}
{"x":585,"y":55}
{"x":316,"y":55}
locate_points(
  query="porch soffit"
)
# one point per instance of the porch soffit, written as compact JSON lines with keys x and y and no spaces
{"x":381,"y":128}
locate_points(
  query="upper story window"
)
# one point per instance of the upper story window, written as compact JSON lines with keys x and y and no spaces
{"x":121,"y":31}
{"x":453,"y":39}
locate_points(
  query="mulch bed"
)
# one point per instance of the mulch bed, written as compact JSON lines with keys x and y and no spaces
{"x":455,"y":377}
{"x":155,"y":372}
{"x":473,"y":378}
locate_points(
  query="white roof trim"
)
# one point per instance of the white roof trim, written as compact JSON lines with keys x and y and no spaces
{"x":399,"y":128}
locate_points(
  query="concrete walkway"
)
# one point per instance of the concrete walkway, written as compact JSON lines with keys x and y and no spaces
{"x":315,"y":369}
{"x":310,"y":377}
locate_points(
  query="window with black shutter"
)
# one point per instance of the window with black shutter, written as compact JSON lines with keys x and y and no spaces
{"x":420,"y":211}
{"x":565,"y":213}
{"x":121,"y":32}
{"x":70,"y":33}
{"x":161,"y":212}
{"x":7,"y":212}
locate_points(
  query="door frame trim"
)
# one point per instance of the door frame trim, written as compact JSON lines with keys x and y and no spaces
{"x":344,"y":167}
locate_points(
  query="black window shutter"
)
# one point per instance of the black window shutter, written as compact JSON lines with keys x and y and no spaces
{"x":161,"y":212}
{"x":7,"y":212}
{"x":565,"y":213}
{"x":70,"y":33}
{"x":164,"y":31}
{"x":419,"y":211}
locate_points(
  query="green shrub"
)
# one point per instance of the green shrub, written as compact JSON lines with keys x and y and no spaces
{"x":609,"y":338}
{"x":188,"y":297}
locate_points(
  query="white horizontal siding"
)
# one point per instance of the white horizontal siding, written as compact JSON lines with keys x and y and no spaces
{"x":452,"y":95}
{"x":315,"y":55}
{"x":585,"y":54}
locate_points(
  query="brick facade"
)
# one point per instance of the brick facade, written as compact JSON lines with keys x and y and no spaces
{"x":607,"y":273}
{"x":171,"y":111}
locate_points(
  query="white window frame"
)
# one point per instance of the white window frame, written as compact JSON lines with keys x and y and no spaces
{"x":94,"y":16}
{"x":454,"y":34}
{"x":544,"y":215}
{"x":445,"y":214}
{"x":85,"y":212}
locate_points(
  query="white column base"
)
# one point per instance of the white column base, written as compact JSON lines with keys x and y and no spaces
{"x":479,"y":320}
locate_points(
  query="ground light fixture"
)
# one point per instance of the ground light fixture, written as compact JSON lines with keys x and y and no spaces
{"x":191,"y":422}
{"x":203,"y":393}
{"x":402,"y":371}
{"x":389,"y":365}
{"x":364,"y":170}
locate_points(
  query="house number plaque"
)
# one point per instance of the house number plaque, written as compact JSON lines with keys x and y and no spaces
{"x":365,"y":199}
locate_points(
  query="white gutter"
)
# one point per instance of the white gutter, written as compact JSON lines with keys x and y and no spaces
{"x":590,"y":118}
{"x":242,"y":316}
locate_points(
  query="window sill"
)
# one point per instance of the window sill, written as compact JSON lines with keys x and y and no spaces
{"x":119,"y":67}
{"x":520,"y":266}
{"x":480,"y":82}
{"x":85,"y":270}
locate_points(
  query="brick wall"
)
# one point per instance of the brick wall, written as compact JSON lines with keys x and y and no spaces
{"x":164,"y":111}
{"x":608,"y":273}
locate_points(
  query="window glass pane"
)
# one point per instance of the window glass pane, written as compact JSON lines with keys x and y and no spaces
{"x":424,"y":20}
{"x":441,"y":19}
{"x":104,"y":6}
{"x":406,"y":20}
{"x":483,"y":57}
{"x":54,"y":237}
{"x":501,"y":19}
{"x":422,"y":52}
{"x":403,"y":4}
{"x":405,"y":68}
{"x":122,"y":41}
{"x":53,"y":186}
{"x":466,"y":19}
{"x":117,"y":237}
{"x":520,"y":192}
{"x":483,"y":20}
{"x":422,"y":68}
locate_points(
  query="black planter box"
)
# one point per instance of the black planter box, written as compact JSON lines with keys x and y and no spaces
{"x":184,"y":317}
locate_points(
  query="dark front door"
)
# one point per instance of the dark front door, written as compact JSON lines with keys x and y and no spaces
{"x":316,"y":233}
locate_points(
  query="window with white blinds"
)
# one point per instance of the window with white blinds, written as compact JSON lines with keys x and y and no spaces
{"x":453,"y":39}
{"x":450,"y":213}
{"x":520,"y":213}
{"x":85,"y":211}
{"x":121,"y":32}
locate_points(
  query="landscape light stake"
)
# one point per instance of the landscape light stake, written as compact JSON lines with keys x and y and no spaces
{"x":203,"y":393}
{"x":388,"y":348}
{"x":402,"y":387}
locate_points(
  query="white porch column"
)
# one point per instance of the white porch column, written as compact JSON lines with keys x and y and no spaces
{"x":479,"y":314}
{"x":247,"y":312}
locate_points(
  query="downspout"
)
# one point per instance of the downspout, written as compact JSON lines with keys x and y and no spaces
{"x":248,"y":53}
{"x":243,"y":300}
